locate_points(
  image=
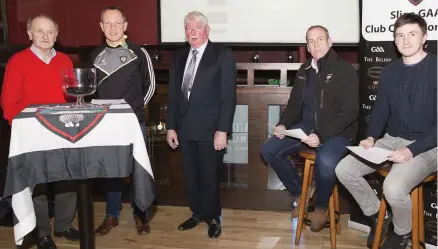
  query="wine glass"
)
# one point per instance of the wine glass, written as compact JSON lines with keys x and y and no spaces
{"x":79,"y":82}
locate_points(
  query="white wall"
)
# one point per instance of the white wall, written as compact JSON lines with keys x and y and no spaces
{"x":263,"y":21}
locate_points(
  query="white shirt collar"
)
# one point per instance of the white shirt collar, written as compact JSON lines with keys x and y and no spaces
{"x":200,"y":50}
{"x":35,"y":51}
{"x":314,"y":65}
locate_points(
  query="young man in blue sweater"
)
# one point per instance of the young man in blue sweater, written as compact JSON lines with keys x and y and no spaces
{"x":406,"y":112}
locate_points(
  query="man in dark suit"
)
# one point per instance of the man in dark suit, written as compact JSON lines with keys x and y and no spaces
{"x":202,"y":100}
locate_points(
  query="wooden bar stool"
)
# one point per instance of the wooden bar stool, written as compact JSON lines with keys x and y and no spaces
{"x":417,"y":213}
{"x":335,"y":227}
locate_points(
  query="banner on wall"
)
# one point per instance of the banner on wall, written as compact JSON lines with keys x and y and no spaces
{"x":377,"y":49}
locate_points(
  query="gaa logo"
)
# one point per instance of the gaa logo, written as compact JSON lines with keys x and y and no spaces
{"x":415,"y":2}
{"x":377,"y":49}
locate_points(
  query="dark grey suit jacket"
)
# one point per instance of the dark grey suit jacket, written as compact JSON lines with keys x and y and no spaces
{"x":212,"y":99}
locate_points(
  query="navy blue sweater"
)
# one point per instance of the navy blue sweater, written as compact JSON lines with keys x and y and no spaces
{"x":407,"y":104}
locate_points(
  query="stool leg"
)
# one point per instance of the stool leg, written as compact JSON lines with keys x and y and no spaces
{"x":312,"y":168}
{"x":332,"y":222}
{"x":421,"y":214}
{"x":302,"y":202}
{"x":380,"y":221}
{"x":309,"y":191}
{"x":312,"y":172}
{"x":414,"y":197}
{"x":337,"y":214}
{"x":336,"y":199}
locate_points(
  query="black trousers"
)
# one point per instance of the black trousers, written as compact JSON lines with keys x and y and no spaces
{"x":65,"y":206}
{"x":201,"y":168}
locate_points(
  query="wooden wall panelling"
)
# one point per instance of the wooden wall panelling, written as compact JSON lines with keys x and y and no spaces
{"x":258,"y":99}
{"x":79,"y":20}
{"x":3,"y":25}
{"x":21,"y":10}
{"x":84,"y":30}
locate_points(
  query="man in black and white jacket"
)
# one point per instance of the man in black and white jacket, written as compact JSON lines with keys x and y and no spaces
{"x":124,"y":71}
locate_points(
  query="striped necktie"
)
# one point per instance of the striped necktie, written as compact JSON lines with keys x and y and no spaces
{"x":189,"y":76}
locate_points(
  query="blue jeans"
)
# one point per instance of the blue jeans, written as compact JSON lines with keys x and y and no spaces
{"x":114,"y":193}
{"x":275,"y":152}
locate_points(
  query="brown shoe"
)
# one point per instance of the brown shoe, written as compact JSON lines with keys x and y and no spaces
{"x":296,"y":208}
{"x":109,"y":223}
{"x":318,"y":219}
{"x":143,"y":228}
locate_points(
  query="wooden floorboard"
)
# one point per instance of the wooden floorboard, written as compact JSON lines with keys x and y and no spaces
{"x":242,"y":229}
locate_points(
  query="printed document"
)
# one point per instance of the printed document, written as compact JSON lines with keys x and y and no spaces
{"x":373,"y":154}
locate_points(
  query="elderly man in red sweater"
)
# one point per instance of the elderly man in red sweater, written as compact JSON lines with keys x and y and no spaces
{"x":33,"y":76}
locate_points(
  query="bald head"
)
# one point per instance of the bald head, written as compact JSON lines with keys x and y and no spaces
{"x":41,"y":16}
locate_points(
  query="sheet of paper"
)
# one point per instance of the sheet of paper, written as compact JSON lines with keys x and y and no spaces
{"x":120,"y":106}
{"x":373,"y":154}
{"x":30,"y":109}
{"x":295,"y":133}
{"x":107,"y":101}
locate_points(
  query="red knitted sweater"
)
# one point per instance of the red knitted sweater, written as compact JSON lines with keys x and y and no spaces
{"x":28,"y":80}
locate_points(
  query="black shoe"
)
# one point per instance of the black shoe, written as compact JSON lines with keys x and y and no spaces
{"x":70,"y":234}
{"x":46,"y":243}
{"x":214,"y":228}
{"x":373,"y":227}
{"x":395,"y":241}
{"x":189,"y":224}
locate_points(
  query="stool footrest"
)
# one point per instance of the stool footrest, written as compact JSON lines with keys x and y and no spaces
{"x":327,"y":224}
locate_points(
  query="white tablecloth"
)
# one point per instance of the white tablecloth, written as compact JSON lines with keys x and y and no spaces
{"x":118,"y":127}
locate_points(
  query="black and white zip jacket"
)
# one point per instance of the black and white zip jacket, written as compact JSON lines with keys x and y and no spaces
{"x":125,"y":72}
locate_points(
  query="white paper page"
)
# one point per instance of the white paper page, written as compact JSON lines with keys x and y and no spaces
{"x":107,"y":101}
{"x":295,"y":133}
{"x":373,"y":154}
{"x":120,"y":106}
{"x":30,"y":109}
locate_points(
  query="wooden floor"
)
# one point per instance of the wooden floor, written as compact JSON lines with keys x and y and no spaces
{"x":242,"y":229}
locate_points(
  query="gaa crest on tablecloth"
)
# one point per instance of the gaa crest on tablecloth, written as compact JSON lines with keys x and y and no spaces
{"x":71,"y":120}
{"x":71,"y":123}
